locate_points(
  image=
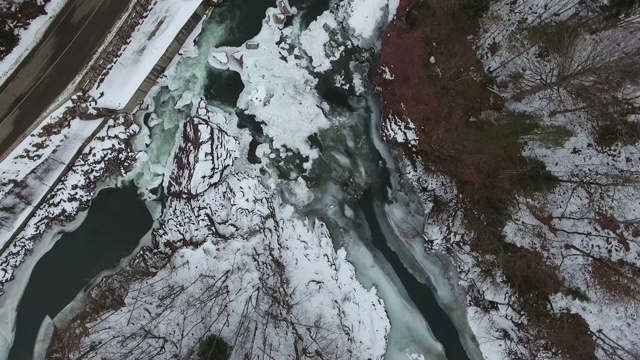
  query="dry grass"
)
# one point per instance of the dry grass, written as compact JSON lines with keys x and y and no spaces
{"x":619,"y":279}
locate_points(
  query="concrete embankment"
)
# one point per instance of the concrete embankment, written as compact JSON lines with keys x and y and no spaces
{"x":168,"y":56}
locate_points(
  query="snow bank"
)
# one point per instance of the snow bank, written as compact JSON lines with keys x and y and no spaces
{"x":62,"y":211}
{"x":147,"y":45}
{"x":400,"y":131}
{"x":38,"y":145}
{"x":29,"y":37}
{"x":12,"y":294}
{"x":314,"y":41}
{"x":236,"y":252}
{"x":75,"y":190}
{"x":279,"y":91}
{"x":226,"y":243}
{"x":33,"y":167}
{"x":410,"y":333}
{"x":367,"y":18}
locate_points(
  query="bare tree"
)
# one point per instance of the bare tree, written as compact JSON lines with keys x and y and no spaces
{"x":584,"y":65}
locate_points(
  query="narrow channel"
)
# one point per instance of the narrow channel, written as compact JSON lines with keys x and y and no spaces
{"x":365,"y":155}
{"x":116,"y":222}
{"x":422,"y":295}
{"x":376,"y":238}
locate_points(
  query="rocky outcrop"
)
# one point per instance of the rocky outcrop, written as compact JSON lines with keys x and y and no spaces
{"x":202,"y":158}
{"x":227,"y":258}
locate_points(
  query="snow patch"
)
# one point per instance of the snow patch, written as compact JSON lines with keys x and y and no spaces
{"x":147,"y":45}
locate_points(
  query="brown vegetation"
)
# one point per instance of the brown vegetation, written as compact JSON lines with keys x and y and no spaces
{"x":449,"y":101}
{"x":570,"y":335}
{"x":617,"y":278}
{"x":565,"y":334}
{"x":443,"y":98}
{"x":526,"y":271}
{"x":465,"y":134}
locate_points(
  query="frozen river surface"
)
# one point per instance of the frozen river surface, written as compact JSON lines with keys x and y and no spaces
{"x":301,"y":114}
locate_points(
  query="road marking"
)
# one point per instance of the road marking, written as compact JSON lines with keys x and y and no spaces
{"x":55,"y":62}
{"x":50,"y":34}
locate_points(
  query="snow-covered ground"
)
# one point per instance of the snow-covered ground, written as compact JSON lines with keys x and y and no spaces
{"x":105,"y":156}
{"x":586,"y":228}
{"x":147,"y":45}
{"x":28,"y":173}
{"x":367,"y":20}
{"x":30,"y":169}
{"x":28,"y":38}
{"x":229,"y":245}
{"x":33,"y":167}
{"x":243,"y":266}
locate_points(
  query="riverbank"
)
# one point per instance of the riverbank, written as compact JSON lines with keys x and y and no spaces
{"x":107,"y":155}
{"x":260,"y":196}
{"x":33,"y":169}
{"x":115,"y":222}
{"x":497,"y":175}
{"x":51,"y":177}
{"x":426,"y":99}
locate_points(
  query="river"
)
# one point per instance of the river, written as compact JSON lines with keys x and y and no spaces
{"x":112,"y":229}
{"x":342,"y":182}
{"x":349,"y":180}
{"x":348,"y":177}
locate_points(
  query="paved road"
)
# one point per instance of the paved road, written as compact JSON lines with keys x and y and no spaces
{"x":49,"y":69}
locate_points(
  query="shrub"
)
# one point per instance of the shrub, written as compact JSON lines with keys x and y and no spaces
{"x":8,"y":39}
{"x":499,"y":134}
{"x":494,"y":145}
{"x":618,"y":132}
{"x":497,"y":209}
{"x":214,"y":348}
{"x":490,"y":81}
{"x":475,"y":9}
{"x":553,"y":136}
{"x":552,"y":38}
{"x":494,"y":47}
{"x":617,"y":278}
{"x":415,"y":17}
{"x":569,"y":334}
{"x":538,"y":33}
{"x":535,"y":177}
{"x":576,"y":294}
{"x":534,"y":287}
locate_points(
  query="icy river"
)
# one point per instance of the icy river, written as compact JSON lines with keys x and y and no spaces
{"x":339,"y":174}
